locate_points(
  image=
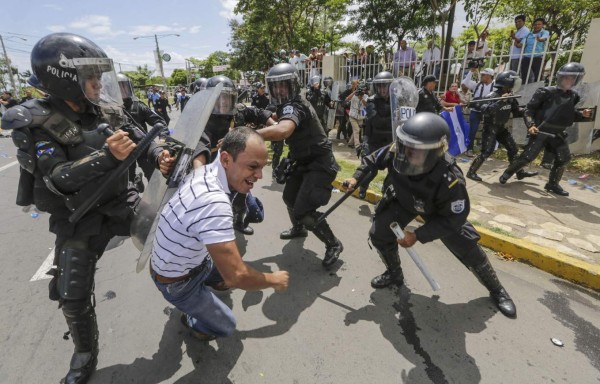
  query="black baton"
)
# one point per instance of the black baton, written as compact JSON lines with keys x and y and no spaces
{"x":342,"y":199}
{"x":123,"y":167}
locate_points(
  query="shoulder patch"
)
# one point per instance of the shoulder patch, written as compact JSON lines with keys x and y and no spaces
{"x":457,"y":206}
{"x":288,"y":110}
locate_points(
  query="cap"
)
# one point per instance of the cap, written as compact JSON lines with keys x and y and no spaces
{"x":487,"y":71}
{"x":429,"y":79}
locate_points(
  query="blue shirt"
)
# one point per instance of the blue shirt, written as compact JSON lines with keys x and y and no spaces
{"x":530,"y":41}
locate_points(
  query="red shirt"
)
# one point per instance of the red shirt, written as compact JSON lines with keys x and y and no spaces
{"x":451,"y":97}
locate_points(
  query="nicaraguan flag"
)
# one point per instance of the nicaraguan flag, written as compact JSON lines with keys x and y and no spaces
{"x":459,"y":131}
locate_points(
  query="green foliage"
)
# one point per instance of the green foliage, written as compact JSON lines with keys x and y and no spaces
{"x":204,"y":67}
{"x":270,"y":25}
{"x":178,"y":77}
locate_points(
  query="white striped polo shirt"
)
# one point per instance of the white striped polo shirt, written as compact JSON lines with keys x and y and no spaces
{"x":199,"y":213}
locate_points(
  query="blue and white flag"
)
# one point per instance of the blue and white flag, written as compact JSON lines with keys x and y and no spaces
{"x":459,"y":131}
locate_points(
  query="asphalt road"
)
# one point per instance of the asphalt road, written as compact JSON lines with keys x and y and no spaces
{"x":329,"y":327}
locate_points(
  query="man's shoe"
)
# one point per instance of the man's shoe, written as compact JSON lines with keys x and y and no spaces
{"x":332,"y":253}
{"x":386,"y":279}
{"x":523,"y":174}
{"x":470,"y":153}
{"x":504,"y":303}
{"x":362,"y":194}
{"x":474,"y":176}
{"x":82,"y":366}
{"x":197,"y":334}
{"x":295,"y":231}
{"x":246,"y":230}
{"x":556,"y":189}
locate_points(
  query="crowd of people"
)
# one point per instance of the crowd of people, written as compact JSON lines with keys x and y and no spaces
{"x":65,"y":158}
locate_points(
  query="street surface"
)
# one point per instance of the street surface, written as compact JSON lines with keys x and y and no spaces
{"x":329,"y":327}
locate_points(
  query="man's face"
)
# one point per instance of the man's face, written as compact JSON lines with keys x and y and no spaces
{"x":537,"y":26}
{"x":416,"y":157}
{"x":486,"y":79}
{"x":280,"y":90}
{"x":403,"y":44}
{"x":471,"y":47}
{"x":430,"y":86}
{"x":92,"y":88}
{"x":567,"y":82}
{"x":383,"y":90}
{"x":261,"y":91}
{"x":519,"y":23}
{"x":243,"y":172}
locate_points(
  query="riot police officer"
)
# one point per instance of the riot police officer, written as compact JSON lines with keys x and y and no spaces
{"x":495,"y":116}
{"x":198,"y":85}
{"x":549,"y":113}
{"x":218,"y":125}
{"x":312,"y":165}
{"x":319,"y":99}
{"x":260,"y":99}
{"x":142,"y":116}
{"x":426,"y":181}
{"x":378,"y":125}
{"x":64,"y":159}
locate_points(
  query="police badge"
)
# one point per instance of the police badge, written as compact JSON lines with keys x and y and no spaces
{"x":457,"y":206}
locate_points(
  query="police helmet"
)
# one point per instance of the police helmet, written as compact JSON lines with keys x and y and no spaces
{"x":380,"y":85}
{"x":420,"y":142}
{"x":283,"y":83}
{"x":508,"y":80}
{"x":569,"y":75}
{"x":428,"y":79}
{"x":200,"y":84}
{"x":125,"y":86}
{"x":35,"y":82}
{"x":226,"y":102}
{"x":71,"y":67}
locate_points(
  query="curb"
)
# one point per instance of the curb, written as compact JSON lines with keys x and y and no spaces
{"x":546,"y":259}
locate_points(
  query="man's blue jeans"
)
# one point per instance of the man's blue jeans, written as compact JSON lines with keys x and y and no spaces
{"x":208,"y":314}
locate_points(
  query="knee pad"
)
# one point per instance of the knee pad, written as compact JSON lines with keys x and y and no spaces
{"x":310,"y":220}
{"x":76,"y":269}
{"x":75,"y":308}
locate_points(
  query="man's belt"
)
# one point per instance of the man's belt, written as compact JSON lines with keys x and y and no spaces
{"x":170,"y":280}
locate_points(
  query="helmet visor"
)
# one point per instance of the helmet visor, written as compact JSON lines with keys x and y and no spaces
{"x":282,"y":91}
{"x":412,"y":160}
{"x":517,"y":84}
{"x":98,"y":81}
{"x":568,"y":80}
{"x":126,"y":89}
{"x":225,"y":104}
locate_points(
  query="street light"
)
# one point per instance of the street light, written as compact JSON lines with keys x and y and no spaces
{"x":160,"y":61}
{"x":7,"y":59}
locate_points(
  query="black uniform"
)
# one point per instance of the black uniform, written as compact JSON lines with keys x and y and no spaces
{"x":320,"y":100}
{"x":428,"y":102}
{"x":260,"y":101}
{"x":495,"y":116}
{"x":64,"y":160}
{"x":552,"y":110}
{"x":144,"y":116}
{"x":308,"y":186}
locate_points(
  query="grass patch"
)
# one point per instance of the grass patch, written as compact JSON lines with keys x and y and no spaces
{"x":589,"y":163}
{"x":348,"y":169}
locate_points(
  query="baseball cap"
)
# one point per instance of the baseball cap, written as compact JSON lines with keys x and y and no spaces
{"x":487,"y":71}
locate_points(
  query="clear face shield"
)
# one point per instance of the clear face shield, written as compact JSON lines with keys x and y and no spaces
{"x":414,"y":157}
{"x":568,"y":80}
{"x":126,"y":89}
{"x":381,"y":88}
{"x":283,"y":88}
{"x":225,"y":104}
{"x":517,"y":84}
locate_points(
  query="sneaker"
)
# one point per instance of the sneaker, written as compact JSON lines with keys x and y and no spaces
{"x":197,"y":334}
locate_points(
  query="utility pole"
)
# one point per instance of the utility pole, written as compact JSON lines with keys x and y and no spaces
{"x":158,"y":55}
{"x":10,"y":74}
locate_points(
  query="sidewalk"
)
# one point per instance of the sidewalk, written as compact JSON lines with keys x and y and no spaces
{"x":520,"y":220}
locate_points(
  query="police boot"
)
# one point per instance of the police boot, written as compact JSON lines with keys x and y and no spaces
{"x":521,"y":174}
{"x":472,"y":172}
{"x":297,"y":230}
{"x":240,"y":226}
{"x":333,"y":247}
{"x":362,"y":193}
{"x":393,"y":274}
{"x":504,"y":177}
{"x":84,"y":332}
{"x":552,"y":185}
{"x":487,"y":277}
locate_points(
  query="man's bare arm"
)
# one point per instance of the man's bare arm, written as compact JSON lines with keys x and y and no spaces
{"x":279,"y":131}
{"x":238,"y":274}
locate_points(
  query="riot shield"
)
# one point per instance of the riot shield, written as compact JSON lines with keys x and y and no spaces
{"x":188,"y":131}
{"x":335,"y":92}
{"x":404,"y":97}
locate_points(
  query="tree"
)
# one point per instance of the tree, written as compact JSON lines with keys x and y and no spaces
{"x":178,"y":77}
{"x":205,"y":66}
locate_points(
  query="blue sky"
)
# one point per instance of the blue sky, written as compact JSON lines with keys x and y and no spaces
{"x":112,"y":24}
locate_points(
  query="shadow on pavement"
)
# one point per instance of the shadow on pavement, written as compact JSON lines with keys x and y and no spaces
{"x":428,"y":333}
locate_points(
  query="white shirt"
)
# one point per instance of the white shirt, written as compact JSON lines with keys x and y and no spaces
{"x":515,"y":52}
{"x":300,"y":62}
{"x":478,"y":90}
{"x":432,"y":55}
{"x":199,"y":213}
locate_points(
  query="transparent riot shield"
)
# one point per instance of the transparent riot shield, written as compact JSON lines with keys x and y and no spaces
{"x":404,"y":97}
